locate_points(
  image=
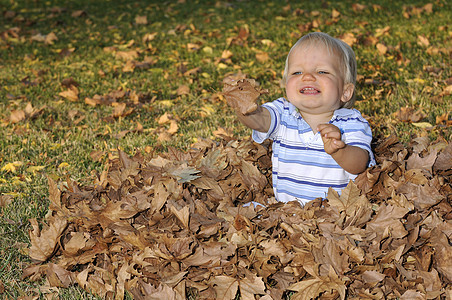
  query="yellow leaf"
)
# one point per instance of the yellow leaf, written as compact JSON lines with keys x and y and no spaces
{"x":267,"y":42}
{"x":11,"y":167}
{"x":208,"y":109}
{"x":35,"y":169}
{"x":63,"y":165}
{"x":207,"y":50}
{"x":167,"y":103}
{"x":222,"y":66}
{"x":423,"y":125}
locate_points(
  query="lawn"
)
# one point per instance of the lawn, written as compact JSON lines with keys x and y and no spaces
{"x":81,"y":81}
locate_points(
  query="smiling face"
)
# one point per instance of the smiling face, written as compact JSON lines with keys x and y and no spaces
{"x":315,"y":81}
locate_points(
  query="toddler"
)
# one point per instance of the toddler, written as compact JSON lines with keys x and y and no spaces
{"x":319,"y":141}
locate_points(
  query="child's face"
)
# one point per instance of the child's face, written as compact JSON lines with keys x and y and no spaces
{"x":315,"y":83}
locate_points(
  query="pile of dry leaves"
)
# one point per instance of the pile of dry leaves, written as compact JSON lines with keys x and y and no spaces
{"x":174,"y":226}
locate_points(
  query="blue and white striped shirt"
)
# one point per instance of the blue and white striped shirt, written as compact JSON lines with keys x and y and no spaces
{"x":302,"y":170}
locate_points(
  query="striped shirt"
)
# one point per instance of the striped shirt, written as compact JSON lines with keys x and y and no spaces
{"x":302,"y":170}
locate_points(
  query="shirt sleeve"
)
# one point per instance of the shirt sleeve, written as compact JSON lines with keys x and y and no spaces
{"x":275,"y":113}
{"x":359,"y":134}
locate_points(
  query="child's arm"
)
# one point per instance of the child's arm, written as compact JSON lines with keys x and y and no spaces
{"x":351,"y":158}
{"x":259,"y":120}
{"x":242,"y":96}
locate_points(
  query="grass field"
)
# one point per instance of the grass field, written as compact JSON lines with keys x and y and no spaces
{"x":80,"y":79}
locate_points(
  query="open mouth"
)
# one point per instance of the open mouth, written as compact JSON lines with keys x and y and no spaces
{"x":309,"y":90}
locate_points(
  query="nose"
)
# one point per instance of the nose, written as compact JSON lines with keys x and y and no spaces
{"x":308,"y":77}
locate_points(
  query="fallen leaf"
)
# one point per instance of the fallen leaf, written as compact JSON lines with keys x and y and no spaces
{"x":70,"y":94}
{"x":44,"y":242}
{"x":141,"y":20}
{"x":17,"y":116}
{"x":5,"y":200}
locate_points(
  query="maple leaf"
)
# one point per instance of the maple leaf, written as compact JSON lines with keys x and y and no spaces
{"x":44,"y":242}
{"x":425,"y":163}
{"x":350,"y":200}
{"x":242,"y":95}
{"x":312,"y":288}
{"x":58,"y":276}
{"x":225,"y":287}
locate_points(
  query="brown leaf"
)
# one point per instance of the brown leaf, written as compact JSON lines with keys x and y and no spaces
{"x":58,"y":276}
{"x":17,"y":116}
{"x":335,"y":14}
{"x":387,"y":221}
{"x":312,"y":288}
{"x":349,"y":38}
{"x":183,"y":215}
{"x":5,"y":200}
{"x":382,"y":49}
{"x":444,"y":160}
{"x":349,"y":201}
{"x":141,"y":20}
{"x":424,"y":163}
{"x":422,"y":196}
{"x":70,"y":94}
{"x":225,"y":287}
{"x":250,"y":286}
{"x":423,"y":41}
{"x":44,"y":242}
{"x":408,"y":114}
{"x":78,"y":13}
{"x":372,"y":276}
{"x":262,"y":57}
{"x":183,"y":90}
{"x":242,"y":95}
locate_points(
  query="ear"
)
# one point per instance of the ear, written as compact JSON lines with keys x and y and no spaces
{"x":347,"y":94}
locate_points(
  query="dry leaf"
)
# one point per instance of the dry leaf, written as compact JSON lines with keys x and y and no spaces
{"x":164,"y":226}
{"x":17,"y":116}
{"x":141,"y":20}
{"x":44,"y":242}
{"x":242,"y":95}
{"x":70,"y":94}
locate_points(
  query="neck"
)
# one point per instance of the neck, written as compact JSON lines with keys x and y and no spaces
{"x":314,"y":120}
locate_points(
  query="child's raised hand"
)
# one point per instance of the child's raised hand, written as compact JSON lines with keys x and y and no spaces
{"x":331,"y":137}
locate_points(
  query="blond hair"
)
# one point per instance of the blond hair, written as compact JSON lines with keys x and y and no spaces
{"x":333,"y":45}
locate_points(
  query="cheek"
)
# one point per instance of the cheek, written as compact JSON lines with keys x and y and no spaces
{"x":290,"y":85}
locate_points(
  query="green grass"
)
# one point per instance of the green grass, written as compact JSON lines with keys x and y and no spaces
{"x":61,"y":138}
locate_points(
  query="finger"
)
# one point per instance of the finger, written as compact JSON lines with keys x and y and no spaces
{"x":338,"y":144}
{"x":332,"y":135}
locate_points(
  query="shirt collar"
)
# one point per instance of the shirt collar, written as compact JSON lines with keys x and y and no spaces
{"x":341,"y":112}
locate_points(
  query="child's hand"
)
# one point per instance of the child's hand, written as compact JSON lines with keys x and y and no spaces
{"x":331,"y":137}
